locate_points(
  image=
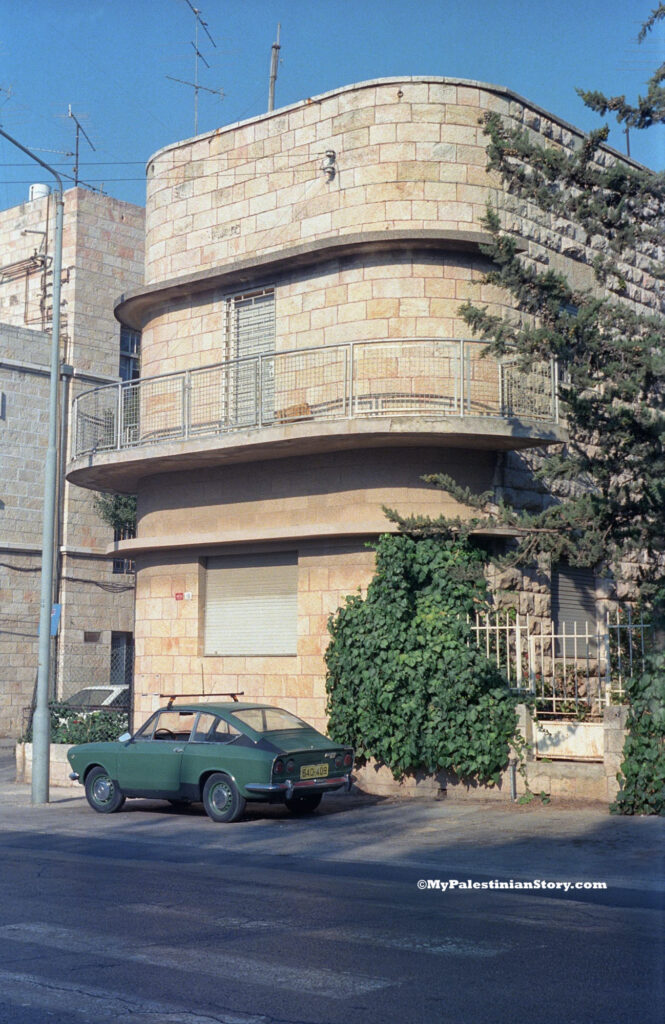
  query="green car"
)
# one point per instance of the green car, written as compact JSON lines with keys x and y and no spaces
{"x":221,"y":754}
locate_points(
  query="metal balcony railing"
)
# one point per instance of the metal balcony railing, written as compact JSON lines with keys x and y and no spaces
{"x":430,"y":378}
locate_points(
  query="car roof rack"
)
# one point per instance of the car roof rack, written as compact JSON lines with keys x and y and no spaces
{"x":186,"y":696}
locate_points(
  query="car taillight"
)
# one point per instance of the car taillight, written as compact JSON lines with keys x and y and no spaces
{"x":278,"y":767}
{"x":290,"y":766}
{"x":339,"y":761}
{"x":348,"y":760}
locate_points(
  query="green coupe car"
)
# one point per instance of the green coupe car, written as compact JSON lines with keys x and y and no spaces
{"x":221,"y":754}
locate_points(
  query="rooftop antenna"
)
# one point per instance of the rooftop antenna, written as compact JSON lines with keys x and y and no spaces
{"x":80,"y":130}
{"x":274,"y":61}
{"x":198,"y":20}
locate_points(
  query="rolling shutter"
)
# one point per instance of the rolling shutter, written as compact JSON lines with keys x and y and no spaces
{"x":573,"y":604}
{"x":252,"y":605}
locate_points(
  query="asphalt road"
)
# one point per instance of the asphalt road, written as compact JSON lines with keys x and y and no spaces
{"x":161,"y":916}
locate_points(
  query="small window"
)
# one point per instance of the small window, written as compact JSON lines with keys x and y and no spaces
{"x":270,"y":719}
{"x":212,"y":729}
{"x":172,"y":725}
{"x":130,"y":354}
{"x":251,"y":605}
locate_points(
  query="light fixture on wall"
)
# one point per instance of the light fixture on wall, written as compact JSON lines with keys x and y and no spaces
{"x":328,"y":164}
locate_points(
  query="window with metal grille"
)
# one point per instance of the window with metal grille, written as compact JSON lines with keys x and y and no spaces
{"x":250,"y":335}
{"x":122,"y":660}
{"x":123,"y":565}
{"x":251,"y":605}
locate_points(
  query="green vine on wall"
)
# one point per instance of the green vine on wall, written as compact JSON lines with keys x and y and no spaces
{"x":406,"y":682}
{"x":642,"y":775}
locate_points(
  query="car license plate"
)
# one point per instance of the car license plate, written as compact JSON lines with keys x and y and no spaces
{"x":313,"y":771}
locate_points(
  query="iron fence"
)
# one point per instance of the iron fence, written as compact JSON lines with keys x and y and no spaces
{"x":435,"y":378}
{"x":573,"y":669}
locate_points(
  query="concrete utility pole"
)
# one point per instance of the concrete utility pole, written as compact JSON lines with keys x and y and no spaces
{"x":274,"y":60}
{"x":41,"y":725}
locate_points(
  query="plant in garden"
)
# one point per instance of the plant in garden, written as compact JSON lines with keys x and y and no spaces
{"x":407,"y":684}
{"x":642,"y":775}
{"x":69,"y":725}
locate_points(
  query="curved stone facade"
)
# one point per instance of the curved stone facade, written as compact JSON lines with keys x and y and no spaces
{"x":352,"y":223}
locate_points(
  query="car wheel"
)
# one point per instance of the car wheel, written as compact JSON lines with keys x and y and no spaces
{"x":221,"y":799}
{"x":303,"y":804}
{"x":102,"y":793}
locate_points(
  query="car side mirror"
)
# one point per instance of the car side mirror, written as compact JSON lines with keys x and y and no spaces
{"x":125,"y":738}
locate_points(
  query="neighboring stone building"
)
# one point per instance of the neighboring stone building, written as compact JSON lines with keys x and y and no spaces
{"x":102,"y":254}
{"x":304,"y":364}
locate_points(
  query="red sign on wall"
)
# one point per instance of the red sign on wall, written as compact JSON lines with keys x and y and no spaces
{"x":180,"y":597}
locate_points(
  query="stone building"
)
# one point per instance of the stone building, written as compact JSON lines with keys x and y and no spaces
{"x":303,"y":365}
{"x":102,"y":254}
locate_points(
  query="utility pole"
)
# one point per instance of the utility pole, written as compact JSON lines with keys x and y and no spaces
{"x":41,"y":723}
{"x":274,"y":61}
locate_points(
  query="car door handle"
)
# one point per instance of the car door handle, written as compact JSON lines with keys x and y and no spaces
{"x":178,"y":750}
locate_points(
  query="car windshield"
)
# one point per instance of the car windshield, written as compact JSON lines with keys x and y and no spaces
{"x":88,"y":698}
{"x":269,"y":719}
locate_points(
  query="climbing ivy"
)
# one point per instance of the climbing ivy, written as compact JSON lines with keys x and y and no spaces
{"x":642,"y":775}
{"x":406,"y":682}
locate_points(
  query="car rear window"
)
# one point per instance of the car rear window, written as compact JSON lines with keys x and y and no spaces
{"x":88,"y":698}
{"x":269,"y":719}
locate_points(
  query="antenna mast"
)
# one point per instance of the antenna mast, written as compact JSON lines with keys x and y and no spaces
{"x":198,"y":20}
{"x":274,"y":61}
{"x":80,"y":130}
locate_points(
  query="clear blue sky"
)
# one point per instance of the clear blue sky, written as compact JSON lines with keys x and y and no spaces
{"x":109,"y":59}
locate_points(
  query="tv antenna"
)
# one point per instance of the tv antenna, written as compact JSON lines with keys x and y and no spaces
{"x":80,"y":130}
{"x":198,"y":56}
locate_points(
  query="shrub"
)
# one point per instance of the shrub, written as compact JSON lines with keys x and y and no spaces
{"x":71,"y":726}
{"x":642,"y":775}
{"x":406,"y":682}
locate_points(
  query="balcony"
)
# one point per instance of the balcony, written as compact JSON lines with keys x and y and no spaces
{"x":441,"y":386}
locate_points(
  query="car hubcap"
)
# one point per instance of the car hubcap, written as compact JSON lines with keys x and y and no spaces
{"x":221,"y":797}
{"x":102,"y":790}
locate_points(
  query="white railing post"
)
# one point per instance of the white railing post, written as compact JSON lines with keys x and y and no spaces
{"x":518,"y":653}
{"x":351,"y":376}
{"x":531,"y":640}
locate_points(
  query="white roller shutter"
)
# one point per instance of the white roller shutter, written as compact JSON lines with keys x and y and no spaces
{"x":251,"y":605}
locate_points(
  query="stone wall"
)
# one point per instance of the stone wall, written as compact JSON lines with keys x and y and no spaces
{"x":577,"y":781}
{"x":102,"y":253}
{"x":169,"y":632}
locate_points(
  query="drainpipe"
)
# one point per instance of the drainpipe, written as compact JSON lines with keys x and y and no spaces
{"x":41,"y":725}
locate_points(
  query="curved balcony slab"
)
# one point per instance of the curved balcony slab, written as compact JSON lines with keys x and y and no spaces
{"x":121,"y":470}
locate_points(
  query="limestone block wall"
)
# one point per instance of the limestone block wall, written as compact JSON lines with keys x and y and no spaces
{"x":409,"y":153}
{"x":385,"y":296}
{"x":169,"y":632}
{"x":102,"y":253}
{"x":24,"y":422}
